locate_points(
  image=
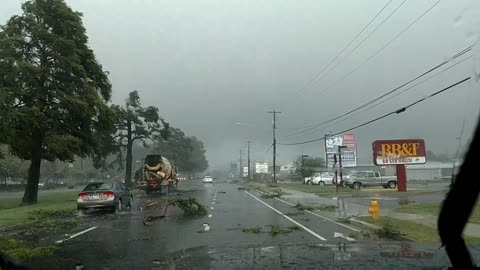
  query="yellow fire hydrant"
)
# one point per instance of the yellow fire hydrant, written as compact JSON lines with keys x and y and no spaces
{"x":374,"y":209}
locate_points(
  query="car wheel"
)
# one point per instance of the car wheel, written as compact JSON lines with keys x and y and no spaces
{"x":81,"y":211}
{"x":321,"y":183}
{"x":130,"y":202}
{"x":357,"y":185}
{"x":344,"y":184}
{"x":309,"y":182}
{"x":392,"y":184}
{"x":385,"y":186}
{"x":118,"y":206}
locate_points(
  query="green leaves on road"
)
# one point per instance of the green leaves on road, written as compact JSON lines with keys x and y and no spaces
{"x":323,"y":207}
{"x":274,"y":229}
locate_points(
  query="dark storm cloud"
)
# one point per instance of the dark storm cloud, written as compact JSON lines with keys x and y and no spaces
{"x":210,"y":64}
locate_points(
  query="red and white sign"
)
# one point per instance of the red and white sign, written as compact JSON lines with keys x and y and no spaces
{"x":394,"y":152}
{"x":349,"y":141}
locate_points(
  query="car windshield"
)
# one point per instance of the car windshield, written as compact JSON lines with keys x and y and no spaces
{"x":335,"y":130}
{"x":98,"y":186}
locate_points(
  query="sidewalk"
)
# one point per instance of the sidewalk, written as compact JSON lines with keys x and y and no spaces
{"x":349,"y":209}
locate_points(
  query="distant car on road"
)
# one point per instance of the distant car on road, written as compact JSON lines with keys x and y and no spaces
{"x":114,"y":196}
{"x":207,"y":179}
{"x":321,"y":178}
{"x":41,"y":185}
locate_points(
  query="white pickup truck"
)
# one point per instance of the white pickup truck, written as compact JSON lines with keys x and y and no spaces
{"x":370,"y":179}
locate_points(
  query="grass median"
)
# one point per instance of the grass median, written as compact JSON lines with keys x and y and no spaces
{"x":434,"y":209}
{"x":12,"y":213}
{"x":410,"y":229}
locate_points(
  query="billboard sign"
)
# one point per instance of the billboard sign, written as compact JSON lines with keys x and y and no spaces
{"x":394,"y":152}
{"x":349,"y":153}
{"x":332,"y":143}
{"x":349,"y":158}
{"x":261,"y":167}
{"x":349,"y":141}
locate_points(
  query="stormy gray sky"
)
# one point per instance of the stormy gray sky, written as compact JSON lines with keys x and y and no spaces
{"x":210,"y":64}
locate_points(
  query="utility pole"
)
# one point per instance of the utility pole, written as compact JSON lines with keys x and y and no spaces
{"x":274,"y":145}
{"x":241,"y":165}
{"x":248,"y":160}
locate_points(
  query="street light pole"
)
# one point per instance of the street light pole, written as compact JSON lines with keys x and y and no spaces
{"x":340,"y":162}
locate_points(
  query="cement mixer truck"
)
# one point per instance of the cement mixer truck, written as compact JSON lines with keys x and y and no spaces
{"x":156,"y":173}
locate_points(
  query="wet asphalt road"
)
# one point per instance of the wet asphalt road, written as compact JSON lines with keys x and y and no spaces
{"x":123,"y":241}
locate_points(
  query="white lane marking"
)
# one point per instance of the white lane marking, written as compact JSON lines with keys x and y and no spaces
{"x":289,"y":218}
{"x":320,"y":216}
{"x":75,"y":235}
{"x":341,"y":235}
{"x":210,"y":215}
{"x":212,"y":207}
{"x":213,"y":202}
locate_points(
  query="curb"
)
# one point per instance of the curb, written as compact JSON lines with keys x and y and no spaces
{"x":373,"y":226}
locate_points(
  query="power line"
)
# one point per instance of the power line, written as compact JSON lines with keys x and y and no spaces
{"x":383,"y":101}
{"x":302,"y":133}
{"x":345,"y":48}
{"x":454,"y":57}
{"x":401,"y":110}
{"x":381,"y":49}
{"x":361,"y":42}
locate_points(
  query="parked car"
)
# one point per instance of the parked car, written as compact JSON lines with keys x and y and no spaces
{"x":370,"y":179}
{"x":113,"y":196}
{"x":321,"y":178}
{"x":207,"y":179}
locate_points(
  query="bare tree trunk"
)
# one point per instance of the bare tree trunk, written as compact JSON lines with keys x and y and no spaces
{"x":31,"y":189}
{"x":128,"y":165}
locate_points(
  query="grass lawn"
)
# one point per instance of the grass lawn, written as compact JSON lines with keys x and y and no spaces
{"x":410,"y":229}
{"x":434,"y":209}
{"x":11,"y":213}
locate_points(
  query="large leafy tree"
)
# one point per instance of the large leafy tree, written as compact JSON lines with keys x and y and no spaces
{"x":309,"y":166}
{"x":177,"y":149}
{"x":53,"y":92}
{"x":186,"y":153}
{"x":198,"y":157}
{"x":136,"y":123}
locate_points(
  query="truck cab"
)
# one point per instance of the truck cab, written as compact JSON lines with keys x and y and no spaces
{"x":371,"y":179}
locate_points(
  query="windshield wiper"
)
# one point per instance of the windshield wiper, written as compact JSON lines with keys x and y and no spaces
{"x":458,"y":206}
